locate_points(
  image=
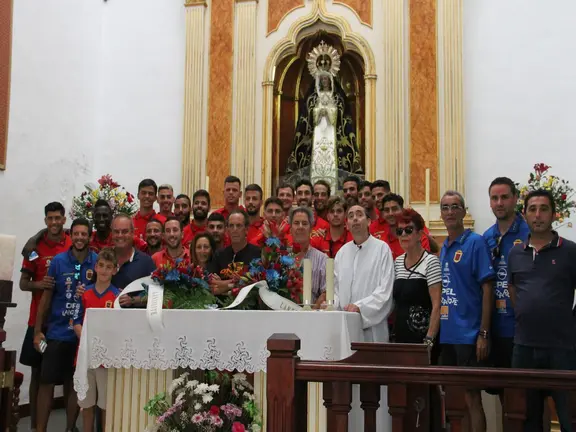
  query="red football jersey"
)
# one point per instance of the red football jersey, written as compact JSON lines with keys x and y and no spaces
{"x":329,"y":246}
{"x":141,"y":221}
{"x":190,"y":232}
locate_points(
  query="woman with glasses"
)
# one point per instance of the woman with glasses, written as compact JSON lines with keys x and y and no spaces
{"x":417,"y":285}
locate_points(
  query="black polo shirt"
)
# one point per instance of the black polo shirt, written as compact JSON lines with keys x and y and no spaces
{"x":139,"y":265}
{"x":545,"y":281}
{"x":225,"y":257}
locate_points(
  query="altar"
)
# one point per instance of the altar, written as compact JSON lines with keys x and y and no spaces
{"x":142,"y":363}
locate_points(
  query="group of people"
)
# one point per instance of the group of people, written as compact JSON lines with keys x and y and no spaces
{"x":504,"y":298}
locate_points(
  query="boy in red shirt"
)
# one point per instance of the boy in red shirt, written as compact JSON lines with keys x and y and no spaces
{"x":100,"y":295}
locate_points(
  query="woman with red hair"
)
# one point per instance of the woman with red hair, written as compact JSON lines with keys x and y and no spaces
{"x":417,"y":285}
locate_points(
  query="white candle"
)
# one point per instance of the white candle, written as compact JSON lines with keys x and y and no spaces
{"x":7,"y":251}
{"x":207,"y":184}
{"x":307,"y":290}
{"x":427,"y":214}
{"x":329,"y":280}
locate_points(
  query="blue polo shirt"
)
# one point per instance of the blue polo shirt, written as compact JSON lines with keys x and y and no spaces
{"x":68,"y":273}
{"x":500,"y":246}
{"x":466,"y":265}
{"x":138,"y":266}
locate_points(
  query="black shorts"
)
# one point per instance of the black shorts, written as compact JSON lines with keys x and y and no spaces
{"x":459,"y":355}
{"x":58,"y":362}
{"x":28,"y":355}
{"x":500,"y":357}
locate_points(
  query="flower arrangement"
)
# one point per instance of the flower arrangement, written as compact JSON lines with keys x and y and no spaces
{"x":120,"y":200}
{"x":278,"y":266}
{"x":221,"y":403}
{"x":185,"y":286}
{"x":561,"y":190}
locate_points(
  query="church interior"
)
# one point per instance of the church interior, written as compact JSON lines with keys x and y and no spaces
{"x":437,"y":94}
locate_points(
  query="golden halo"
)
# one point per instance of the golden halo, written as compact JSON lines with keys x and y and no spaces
{"x":323,"y":58}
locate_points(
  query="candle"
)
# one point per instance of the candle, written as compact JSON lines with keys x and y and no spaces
{"x":307,"y":282}
{"x":7,"y":251}
{"x":427,"y":197}
{"x":329,"y":280}
{"x":207,"y":184}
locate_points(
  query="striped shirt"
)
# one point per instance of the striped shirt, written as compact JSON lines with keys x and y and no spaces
{"x":318,"y":271}
{"x":427,"y":268}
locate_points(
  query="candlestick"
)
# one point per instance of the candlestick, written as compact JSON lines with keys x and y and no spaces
{"x":7,"y":251}
{"x":330,"y":282}
{"x":427,"y":214}
{"x":307,"y":291}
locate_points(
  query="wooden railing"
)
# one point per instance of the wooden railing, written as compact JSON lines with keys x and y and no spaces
{"x":402,"y":368}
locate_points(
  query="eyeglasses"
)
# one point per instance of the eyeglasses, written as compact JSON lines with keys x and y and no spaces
{"x":453,"y":207}
{"x":408,"y":230}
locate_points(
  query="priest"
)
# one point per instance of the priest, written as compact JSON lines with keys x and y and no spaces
{"x":364,"y":276}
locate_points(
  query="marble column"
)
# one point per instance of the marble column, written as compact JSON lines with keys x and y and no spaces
{"x":244,"y":91}
{"x":194,"y":145}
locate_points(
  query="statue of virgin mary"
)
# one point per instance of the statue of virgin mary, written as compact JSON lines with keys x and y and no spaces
{"x":325,"y":144}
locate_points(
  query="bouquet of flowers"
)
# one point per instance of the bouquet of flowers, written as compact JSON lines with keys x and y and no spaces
{"x":278,"y":266}
{"x":221,"y":403}
{"x":560,"y":189}
{"x":185,"y":286}
{"x":120,"y":200}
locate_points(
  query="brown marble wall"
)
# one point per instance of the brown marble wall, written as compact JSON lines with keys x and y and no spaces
{"x":362,"y":7}
{"x":423,"y":100}
{"x":278,"y":9}
{"x":5,"y":60}
{"x":220,"y":97}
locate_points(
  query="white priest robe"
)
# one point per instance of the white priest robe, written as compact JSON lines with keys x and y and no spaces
{"x":364,"y":275}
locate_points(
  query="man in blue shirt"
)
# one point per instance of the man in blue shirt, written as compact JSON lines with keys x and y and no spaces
{"x":510,"y":229}
{"x":467,"y":297}
{"x":58,"y":307}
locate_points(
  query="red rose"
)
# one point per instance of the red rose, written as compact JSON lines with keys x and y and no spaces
{"x":238,"y":427}
{"x":88,"y":204}
{"x":214,"y":410}
{"x":235,"y":291}
{"x":564,"y":196}
{"x":130,"y":198}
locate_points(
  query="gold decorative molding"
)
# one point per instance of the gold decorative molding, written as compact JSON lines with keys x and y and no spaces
{"x":189,"y":3}
{"x":244,"y":91}
{"x":356,"y":6}
{"x":6,"y":13}
{"x":193,"y":146}
{"x":288,"y":46}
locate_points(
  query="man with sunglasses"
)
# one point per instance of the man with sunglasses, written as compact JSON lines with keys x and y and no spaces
{"x":467,"y":298}
{"x":510,"y":229}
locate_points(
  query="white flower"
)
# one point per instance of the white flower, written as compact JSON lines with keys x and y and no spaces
{"x":191,"y":384}
{"x":207,"y":398}
{"x":214,"y":388}
{"x":239,"y":377}
{"x":201,"y":389}
{"x":256,"y":428}
{"x":197,"y":407}
{"x":180,"y":397}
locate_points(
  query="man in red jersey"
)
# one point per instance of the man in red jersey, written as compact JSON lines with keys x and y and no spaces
{"x":321,"y":193}
{"x":147,"y":191}
{"x":350,"y":187}
{"x":337,"y":235}
{"x":285,"y":192}
{"x":217,"y":228}
{"x":34,"y":279}
{"x":274,"y":223}
{"x":366,"y":200}
{"x":232,"y":194}
{"x":304,"y":199}
{"x":182,"y":208}
{"x":380,"y":188}
{"x":153,"y":237}
{"x":253,"y":201}
{"x":166,"y":200}
{"x":173,"y":250}
{"x":200,"y":210}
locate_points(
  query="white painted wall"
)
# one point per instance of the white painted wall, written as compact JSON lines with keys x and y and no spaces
{"x":520,"y":94}
{"x":96,"y":88}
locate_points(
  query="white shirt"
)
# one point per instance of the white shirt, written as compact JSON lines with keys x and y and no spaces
{"x":364,"y":276}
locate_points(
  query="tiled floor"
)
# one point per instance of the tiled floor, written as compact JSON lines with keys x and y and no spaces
{"x":57,"y":422}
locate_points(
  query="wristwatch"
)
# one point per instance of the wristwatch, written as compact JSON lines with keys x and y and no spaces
{"x":483,"y":333}
{"x":429,"y":341}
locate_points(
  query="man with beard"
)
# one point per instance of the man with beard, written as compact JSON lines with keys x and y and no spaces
{"x":285,"y":192}
{"x":232,"y":195}
{"x":350,"y":187}
{"x":253,"y":201}
{"x":34,"y":279}
{"x":147,"y":191}
{"x":166,"y":200}
{"x":153,"y":237}
{"x":337,"y":235}
{"x":217,"y":229}
{"x":304,"y":199}
{"x":239,"y":251}
{"x":367,"y":201}
{"x":58,"y":306}
{"x":200,"y":210}
{"x":321,"y":195}
{"x":274,"y":223}
{"x":182,"y":209}
{"x":173,"y":240}
{"x":380,"y":188}
{"x":102,"y":237}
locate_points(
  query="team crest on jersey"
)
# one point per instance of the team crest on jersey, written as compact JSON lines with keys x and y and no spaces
{"x":89,"y":274}
{"x":457,"y":256}
{"x":109,"y":304}
{"x":48,"y":263}
{"x":517,"y":242}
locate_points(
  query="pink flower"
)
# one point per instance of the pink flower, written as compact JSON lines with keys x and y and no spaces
{"x":197,"y":418}
{"x":217,"y":421}
{"x":238,"y":427}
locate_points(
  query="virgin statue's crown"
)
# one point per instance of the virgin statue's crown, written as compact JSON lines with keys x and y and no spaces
{"x":323,"y":58}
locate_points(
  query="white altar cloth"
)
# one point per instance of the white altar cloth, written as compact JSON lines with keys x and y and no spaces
{"x":210,"y":339}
